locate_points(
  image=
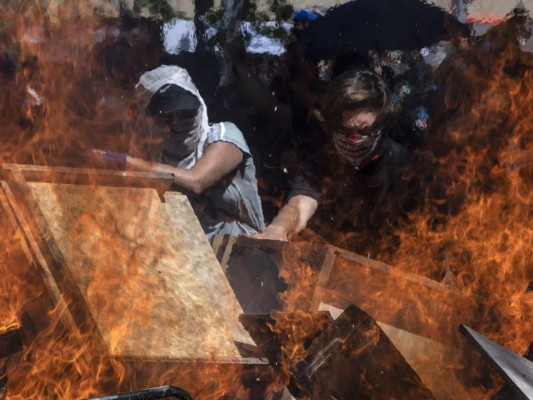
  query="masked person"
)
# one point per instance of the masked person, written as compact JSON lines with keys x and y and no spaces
{"x":210,"y":163}
{"x":349,"y":181}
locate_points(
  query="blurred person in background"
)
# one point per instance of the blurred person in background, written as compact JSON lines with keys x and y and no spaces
{"x":302,"y":19}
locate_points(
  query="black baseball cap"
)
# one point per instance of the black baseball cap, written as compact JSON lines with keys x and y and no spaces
{"x":171,"y":98}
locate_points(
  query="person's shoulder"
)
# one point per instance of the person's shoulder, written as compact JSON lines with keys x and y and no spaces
{"x":231,"y":129}
{"x":227,"y":132}
{"x":225,"y":129}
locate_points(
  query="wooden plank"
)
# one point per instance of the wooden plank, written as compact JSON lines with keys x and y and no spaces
{"x":323,"y":278}
{"x":431,"y":360}
{"x":145,"y":271}
{"x":257,"y":271}
{"x":403,"y":300}
{"x":63,"y":290}
{"x":390,"y":270}
{"x":39,"y":293}
{"x":12,"y":219}
{"x":31,"y":247}
{"x":86,"y":176}
{"x":407,"y":301}
{"x":206,"y":264}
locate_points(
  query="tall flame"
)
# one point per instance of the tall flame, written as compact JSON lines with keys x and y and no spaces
{"x":475,"y":222}
{"x":472,"y":229}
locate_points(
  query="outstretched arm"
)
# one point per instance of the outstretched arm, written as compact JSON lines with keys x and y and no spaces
{"x":291,"y":219}
{"x":218,"y":160}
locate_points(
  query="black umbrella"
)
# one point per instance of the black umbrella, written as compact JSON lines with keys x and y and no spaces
{"x":363,"y":25}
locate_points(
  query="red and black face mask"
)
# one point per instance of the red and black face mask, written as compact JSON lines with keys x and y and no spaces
{"x":356,"y":146}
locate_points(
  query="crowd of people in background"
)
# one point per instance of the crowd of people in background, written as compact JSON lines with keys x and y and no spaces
{"x":337,"y":145}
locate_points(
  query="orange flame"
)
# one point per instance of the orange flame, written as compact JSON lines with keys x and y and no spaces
{"x":65,"y":98}
{"x":473,"y":229}
{"x":477,"y":228}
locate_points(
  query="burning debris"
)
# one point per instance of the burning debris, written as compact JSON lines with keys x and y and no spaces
{"x":162,"y":392}
{"x":353,"y":358}
{"x":517,"y":371}
{"x":418,"y":315}
{"x":109,"y":284}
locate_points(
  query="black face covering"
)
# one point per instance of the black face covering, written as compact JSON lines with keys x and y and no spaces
{"x":177,"y":112}
{"x":182,"y":134}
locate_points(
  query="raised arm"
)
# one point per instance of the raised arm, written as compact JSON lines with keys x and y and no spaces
{"x":291,"y":219}
{"x":218,"y":160}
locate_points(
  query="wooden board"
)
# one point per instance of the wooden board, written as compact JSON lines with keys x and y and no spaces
{"x":138,"y":270}
{"x":339,"y":278}
{"x":431,"y":360}
{"x":253,"y":269}
{"x":420,"y":316}
{"x":142,"y":272}
{"x":353,"y":359}
{"x":86,"y":176}
{"x":35,"y":290}
{"x":407,"y":301}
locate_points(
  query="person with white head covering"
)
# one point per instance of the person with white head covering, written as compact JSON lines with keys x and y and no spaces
{"x":211,"y":163}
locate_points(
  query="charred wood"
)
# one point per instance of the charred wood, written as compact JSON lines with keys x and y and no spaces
{"x":253,"y":270}
{"x":272,"y":332}
{"x":155,"y":393}
{"x":10,"y":340}
{"x":354,"y":359}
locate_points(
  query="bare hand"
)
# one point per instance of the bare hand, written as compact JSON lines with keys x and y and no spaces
{"x":272,"y":232}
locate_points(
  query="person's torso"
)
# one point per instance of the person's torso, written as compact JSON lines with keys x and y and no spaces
{"x":232,"y":205}
{"x":358,"y":198}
